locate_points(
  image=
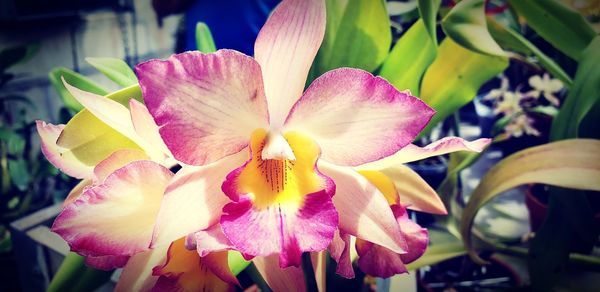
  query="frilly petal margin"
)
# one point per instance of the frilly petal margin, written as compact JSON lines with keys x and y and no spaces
{"x":93,"y":224}
{"x":285,"y":49}
{"x":379,"y":261}
{"x":49,"y":134}
{"x":275,"y":231}
{"x":413,"y":152}
{"x":340,"y":252}
{"x":356,"y":117}
{"x":206,"y":105}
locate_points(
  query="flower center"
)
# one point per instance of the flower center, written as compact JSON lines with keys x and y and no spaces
{"x":284,"y":181}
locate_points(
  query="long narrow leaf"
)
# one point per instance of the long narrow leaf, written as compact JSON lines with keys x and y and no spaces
{"x":76,"y":80}
{"x":558,"y":24}
{"x":454,"y":78}
{"x":204,"y":38}
{"x":570,"y":163}
{"x":428,"y":9}
{"x":466,"y":25}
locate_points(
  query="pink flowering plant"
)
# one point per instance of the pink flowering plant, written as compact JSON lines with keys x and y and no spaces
{"x":266,"y":169}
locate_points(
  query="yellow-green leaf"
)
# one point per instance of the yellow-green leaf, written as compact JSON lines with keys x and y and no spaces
{"x":115,"y":69}
{"x":454,"y":78}
{"x":404,"y":66}
{"x":438,"y":253}
{"x":510,"y":39}
{"x":571,"y":163}
{"x":564,"y":28}
{"x":76,"y":80}
{"x":466,"y":25}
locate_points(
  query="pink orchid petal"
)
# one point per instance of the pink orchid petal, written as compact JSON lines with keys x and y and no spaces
{"x":415,"y":192}
{"x":145,"y":126}
{"x":285,"y":48}
{"x":356,"y":117}
{"x":286,"y":279}
{"x":364,"y":212}
{"x":117,"y":216}
{"x":340,"y":252}
{"x":137,"y":274}
{"x":106,"y":263}
{"x":193,"y":200}
{"x":115,"y":161}
{"x":276,"y":230}
{"x":211,"y":240}
{"x":206,"y":105}
{"x":378,"y":261}
{"x":49,"y":134}
{"x":413,"y":152}
{"x":416,"y":236}
{"x":77,"y":191}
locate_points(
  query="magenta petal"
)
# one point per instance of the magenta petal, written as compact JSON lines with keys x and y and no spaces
{"x":106,"y":263}
{"x":206,"y":105}
{"x":340,"y":252}
{"x":416,"y":237}
{"x":379,"y":261}
{"x":356,"y":117}
{"x":274,"y":230}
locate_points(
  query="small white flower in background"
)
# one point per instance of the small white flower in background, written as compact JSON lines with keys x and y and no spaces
{"x":498,"y":92}
{"x":522,"y":124}
{"x":509,"y":104}
{"x":546,"y":87}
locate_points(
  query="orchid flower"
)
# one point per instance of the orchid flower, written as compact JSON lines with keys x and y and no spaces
{"x":268,"y":169}
{"x":520,"y":125}
{"x":546,"y":87}
{"x":281,"y":154}
{"x":499,"y":92}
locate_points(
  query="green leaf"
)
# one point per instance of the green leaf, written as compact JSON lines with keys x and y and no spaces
{"x":18,"y":171}
{"x":437,"y":253}
{"x":510,"y":39}
{"x":115,"y":69}
{"x":16,"y":144}
{"x":73,"y":275}
{"x":571,"y":163}
{"x":580,"y":101}
{"x":204,"y":39}
{"x":76,"y":80}
{"x":428,"y":9}
{"x":454,"y":78}
{"x":466,"y":25}
{"x":358,"y":35}
{"x":398,"y":8}
{"x":558,"y":24}
{"x":404,"y":66}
